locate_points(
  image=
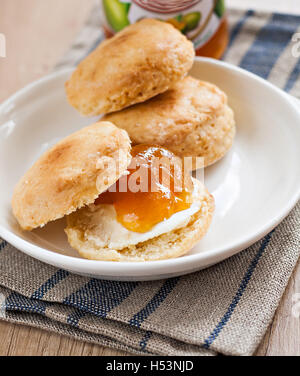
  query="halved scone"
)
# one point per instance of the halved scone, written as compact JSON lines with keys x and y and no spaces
{"x":87,"y":233}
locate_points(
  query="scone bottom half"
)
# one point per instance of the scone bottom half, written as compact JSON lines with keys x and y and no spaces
{"x":168,"y":245}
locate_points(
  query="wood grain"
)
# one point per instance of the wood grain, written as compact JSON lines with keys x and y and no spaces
{"x":283,"y":335}
{"x":37,"y":34}
{"x":20,"y":340}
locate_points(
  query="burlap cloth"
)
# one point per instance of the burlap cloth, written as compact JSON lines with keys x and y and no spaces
{"x":224,"y":309}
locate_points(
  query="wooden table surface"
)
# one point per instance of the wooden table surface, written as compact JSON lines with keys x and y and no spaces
{"x":37,"y":34}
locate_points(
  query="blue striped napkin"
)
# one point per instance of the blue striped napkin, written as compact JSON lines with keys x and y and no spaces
{"x":224,"y":309}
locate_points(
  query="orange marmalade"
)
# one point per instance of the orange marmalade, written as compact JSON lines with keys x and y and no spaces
{"x":202,"y":21}
{"x":155,"y":188}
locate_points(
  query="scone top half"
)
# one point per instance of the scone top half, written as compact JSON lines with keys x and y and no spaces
{"x":141,"y":61}
{"x":71,"y":174}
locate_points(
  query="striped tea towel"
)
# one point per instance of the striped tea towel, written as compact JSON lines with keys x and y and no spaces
{"x":224,"y":309}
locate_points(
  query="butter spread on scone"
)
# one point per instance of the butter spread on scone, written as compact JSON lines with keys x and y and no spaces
{"x":104,"y":230}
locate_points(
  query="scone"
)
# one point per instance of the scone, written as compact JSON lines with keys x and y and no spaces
{"x":96,"y":234}
{"x":121,"y":205}
{"x":71,"y":174}
{"x":141,"y":61}
{"x":191,"y":119}
{"x":146,"y":224}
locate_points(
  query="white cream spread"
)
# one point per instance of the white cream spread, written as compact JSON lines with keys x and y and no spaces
{"x":105,"y":231}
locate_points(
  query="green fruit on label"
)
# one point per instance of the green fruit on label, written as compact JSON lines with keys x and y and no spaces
{"x":220,"y":8}
{"x":116,"y":14}
{"x":191,"y":20}
{"x":126,"y":6}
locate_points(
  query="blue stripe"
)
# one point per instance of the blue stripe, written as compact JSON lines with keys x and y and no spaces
{"x":95,"y":44}
{"x":260,"y":59}
{"x":247,"y":277}
{"x":100,"y":297}
{"x":48,"y":285}
{"x":3,"y":245}
{"x":293,"y":77}
{"x":144,"y":341}
{"x":73,"y":318}
{"x":238,"y":27}
{"x":269,"y":44}
{"x":17,"y":302}
{"x":154,"y":303}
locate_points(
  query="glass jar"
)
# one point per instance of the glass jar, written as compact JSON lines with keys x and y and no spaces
{"x":202,"y":21}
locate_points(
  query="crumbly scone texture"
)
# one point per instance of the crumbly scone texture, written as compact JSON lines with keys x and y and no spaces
{"x":165,"y":246}
{"x":141,"y":61}
{"x":71,"y":174}
{"x":191,"y":119}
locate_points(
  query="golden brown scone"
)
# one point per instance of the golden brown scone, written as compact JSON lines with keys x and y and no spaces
{"x":81,"y":236}
{"x":191,"y":119}
{"x":71,"y":174}
{"x":141,"y":61}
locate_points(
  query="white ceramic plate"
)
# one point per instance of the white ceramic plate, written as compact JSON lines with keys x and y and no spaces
{"x":255,"y":185}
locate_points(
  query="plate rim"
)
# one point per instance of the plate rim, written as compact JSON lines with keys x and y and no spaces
{"x":149,"y":268}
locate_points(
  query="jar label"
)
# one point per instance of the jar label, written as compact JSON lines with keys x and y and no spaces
{"x":197,"y":19}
